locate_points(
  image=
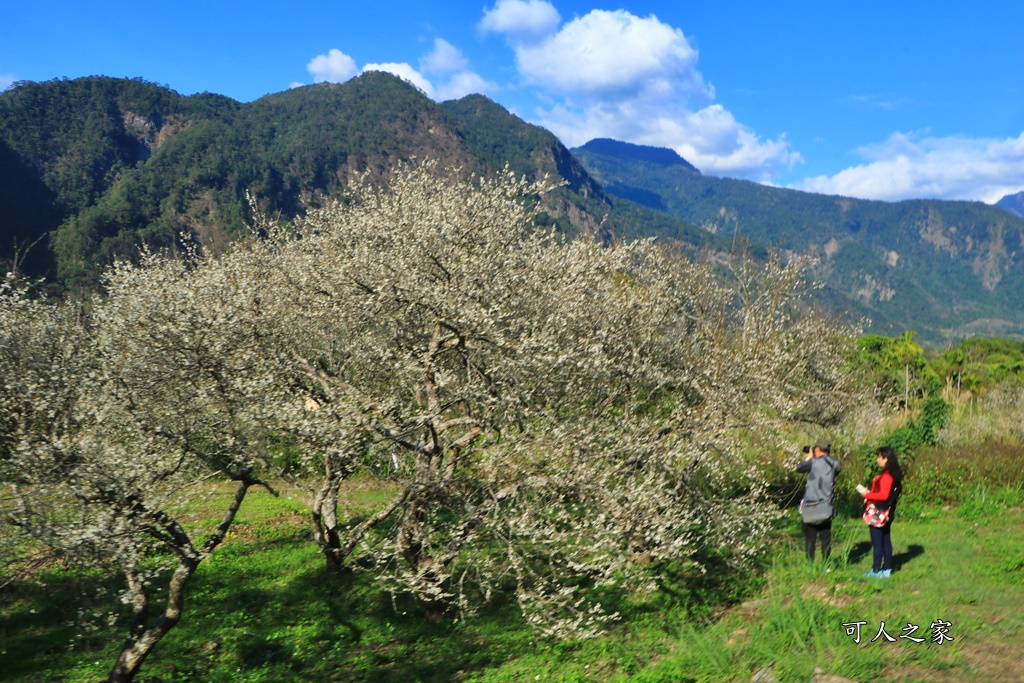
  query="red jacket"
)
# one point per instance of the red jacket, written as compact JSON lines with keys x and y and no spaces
{"x":881,"y":493}
{"x":881,"y":488}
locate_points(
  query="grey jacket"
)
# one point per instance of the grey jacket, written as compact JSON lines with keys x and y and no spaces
{"x":821,"y":478}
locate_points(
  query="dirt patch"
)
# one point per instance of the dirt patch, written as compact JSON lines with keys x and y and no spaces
{"x":994,"y":661}
{"x":827,"y":594}
{"x":980,"y":661}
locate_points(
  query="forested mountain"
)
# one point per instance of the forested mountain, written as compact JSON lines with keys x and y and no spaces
{"x":1013,"y":203}
{"x":98,"y":166}
{"x":944,"y":268}
{"x":93,"y":168}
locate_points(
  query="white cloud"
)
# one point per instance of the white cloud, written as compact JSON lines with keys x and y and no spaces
{"x":295,"y":84}
{"x":444,"y":58}
{"x":616,"y":54}
{"x":913,"y":166}
{"x":6,"y":81}
{"x":333,"y":67}
{"x":522,"y":21}
{"x":462,"y":84}
{"x":617,"y":75}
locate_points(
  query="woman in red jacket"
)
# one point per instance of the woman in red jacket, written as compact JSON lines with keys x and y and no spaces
{"x":884,"y":493}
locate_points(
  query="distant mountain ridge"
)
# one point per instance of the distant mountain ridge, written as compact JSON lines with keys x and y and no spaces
{"x":946,"y":269}
{"x":1013,"y":203}
{"x":654,"y":155}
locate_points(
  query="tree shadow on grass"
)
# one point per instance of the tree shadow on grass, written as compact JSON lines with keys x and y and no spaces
{"x":272,"y":610}
{"x":269,"y":609}
{"x":41,"y":617}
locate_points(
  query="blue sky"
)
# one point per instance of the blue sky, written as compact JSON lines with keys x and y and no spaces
{"x":882,"y":100}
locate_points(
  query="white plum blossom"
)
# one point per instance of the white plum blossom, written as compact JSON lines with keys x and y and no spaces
{"x":553,"y":413}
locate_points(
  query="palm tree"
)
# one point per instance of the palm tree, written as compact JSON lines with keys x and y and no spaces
{"x":904,"y":351}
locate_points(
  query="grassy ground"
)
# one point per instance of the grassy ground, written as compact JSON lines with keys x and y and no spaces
{"x":962,"y":567}
{"x":263,"y":609}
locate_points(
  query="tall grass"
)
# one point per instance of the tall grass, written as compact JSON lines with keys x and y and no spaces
{"x":947,"y":476}
{"x":996,"y":416}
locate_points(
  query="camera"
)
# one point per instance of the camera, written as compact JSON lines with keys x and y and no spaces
{"x":806,"y":449}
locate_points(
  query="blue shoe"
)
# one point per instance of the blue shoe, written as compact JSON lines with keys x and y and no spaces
{"x":884,"y":574}
{"x":872,"y":574}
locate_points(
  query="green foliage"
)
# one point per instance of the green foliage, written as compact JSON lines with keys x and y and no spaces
{"x":985,"y":361}
{"x":917,"y":433}
{"x":74,"y":132}
{"x":77,"y":147}
{"x":944,"y":476}
{"x":895,"y":366}
{"x":496,"y":137}
{"x":923,"y":429}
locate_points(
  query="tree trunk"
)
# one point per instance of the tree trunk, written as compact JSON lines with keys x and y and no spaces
{"x":325,"y":516}
{"x":906,"y":387}
{"x":142,"y":637}
{"x":418,"y":559}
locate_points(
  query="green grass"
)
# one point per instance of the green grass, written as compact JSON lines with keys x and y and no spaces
{"x":262,"y":608}
{"x":964,"y":566}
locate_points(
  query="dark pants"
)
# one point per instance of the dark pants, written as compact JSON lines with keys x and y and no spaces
{"x":881,"y":543}
{"x":820,"y":530}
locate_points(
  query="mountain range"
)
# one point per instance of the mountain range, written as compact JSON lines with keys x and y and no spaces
{"x":947,"y":269}
{"x":94,"y":167}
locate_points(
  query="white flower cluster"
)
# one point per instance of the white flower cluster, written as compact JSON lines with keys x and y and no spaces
{"x":109,"y":416}
{"x":547,"y":413}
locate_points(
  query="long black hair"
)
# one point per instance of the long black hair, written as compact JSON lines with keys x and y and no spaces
{"x":892,"y":463}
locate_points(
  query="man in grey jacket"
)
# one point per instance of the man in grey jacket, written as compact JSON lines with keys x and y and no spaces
{"x":818,"y":507}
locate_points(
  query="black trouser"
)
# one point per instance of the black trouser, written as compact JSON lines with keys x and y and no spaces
{"x":881,"y":544}
{"x":819,"y":530}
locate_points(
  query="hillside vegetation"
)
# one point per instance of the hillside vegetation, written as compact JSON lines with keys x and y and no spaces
{"x":1014,"y":203}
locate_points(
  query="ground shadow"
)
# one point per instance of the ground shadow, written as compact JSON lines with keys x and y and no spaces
{"x":858,"y":552}
{"x":863,"y":550}
{"x":900,"y":559}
